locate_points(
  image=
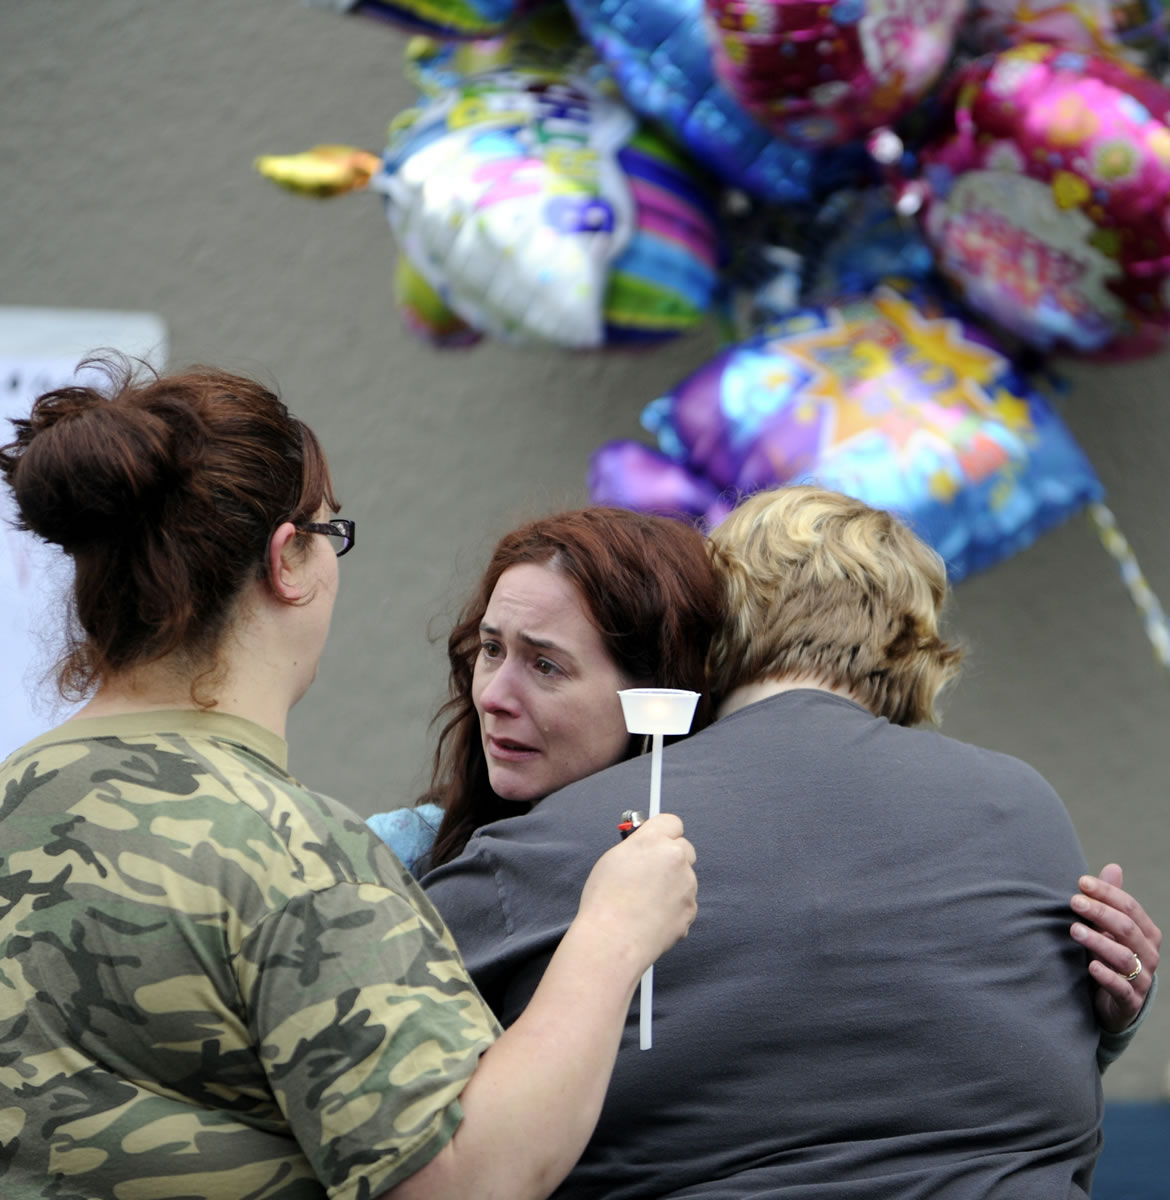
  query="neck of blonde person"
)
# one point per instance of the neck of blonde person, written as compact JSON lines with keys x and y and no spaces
{"x":752,"y":693}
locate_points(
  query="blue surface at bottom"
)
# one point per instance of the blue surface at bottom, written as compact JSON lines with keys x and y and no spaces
{"x":1135,"y":1163}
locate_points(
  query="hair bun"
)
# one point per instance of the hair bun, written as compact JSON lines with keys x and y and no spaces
{"x":86,"y":468}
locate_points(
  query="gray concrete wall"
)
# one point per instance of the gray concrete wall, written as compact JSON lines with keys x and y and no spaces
{"x":125,"y":157}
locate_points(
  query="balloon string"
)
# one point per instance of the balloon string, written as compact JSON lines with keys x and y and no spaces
{"x":1157,"y":627}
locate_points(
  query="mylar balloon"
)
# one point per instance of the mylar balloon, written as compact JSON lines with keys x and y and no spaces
{"x":534,"y":207}
{"x":661,"y":54}
{"x":888,"y":399}
{"x":663,"y":282}
{"x":823,"y":74}
{"x":1048,"y":202}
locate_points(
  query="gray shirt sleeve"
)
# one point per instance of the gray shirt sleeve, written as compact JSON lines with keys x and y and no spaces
{"x":1112,"y":1045}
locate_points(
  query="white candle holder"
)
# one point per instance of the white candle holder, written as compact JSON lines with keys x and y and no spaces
{"x":658,"y":712}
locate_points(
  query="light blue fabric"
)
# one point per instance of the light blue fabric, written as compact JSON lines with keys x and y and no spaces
{"x":409,"y":832}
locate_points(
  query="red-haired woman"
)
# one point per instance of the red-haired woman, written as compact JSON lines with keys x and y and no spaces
{"x":570,"y":608}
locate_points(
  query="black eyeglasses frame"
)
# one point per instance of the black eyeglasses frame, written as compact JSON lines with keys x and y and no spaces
{"x":340,"y":527}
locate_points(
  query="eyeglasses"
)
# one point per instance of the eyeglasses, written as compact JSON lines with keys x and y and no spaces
{"x":339,"y":531}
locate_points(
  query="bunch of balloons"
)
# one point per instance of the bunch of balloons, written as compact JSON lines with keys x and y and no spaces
{"x":893,"y":204}
{"x":565,"y":177}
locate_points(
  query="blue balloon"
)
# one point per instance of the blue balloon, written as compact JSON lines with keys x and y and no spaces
{"x":660,"y":53}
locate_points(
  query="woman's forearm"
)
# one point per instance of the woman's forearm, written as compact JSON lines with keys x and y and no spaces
{"x":532,"y":1104}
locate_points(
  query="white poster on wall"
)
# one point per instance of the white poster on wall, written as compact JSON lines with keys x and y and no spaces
{"x":40,"y":349}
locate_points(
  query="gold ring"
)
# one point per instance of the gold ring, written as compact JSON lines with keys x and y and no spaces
{"x":1137,"y":970}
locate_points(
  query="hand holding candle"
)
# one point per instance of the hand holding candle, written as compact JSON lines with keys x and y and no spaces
{"x":656,"y":711}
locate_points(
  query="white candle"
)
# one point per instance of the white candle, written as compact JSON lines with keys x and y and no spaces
{"x":656,"y":711}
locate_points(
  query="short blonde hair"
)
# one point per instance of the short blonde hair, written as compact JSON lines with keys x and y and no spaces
{"x":819,"y":586}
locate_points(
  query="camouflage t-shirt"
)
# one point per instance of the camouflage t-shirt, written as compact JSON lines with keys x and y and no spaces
{"x":214,"y":983}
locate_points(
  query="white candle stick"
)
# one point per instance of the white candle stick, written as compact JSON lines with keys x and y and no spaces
{"x":655,"y":711}
{"x":646,"y":1009}
{"x":656,"y":774}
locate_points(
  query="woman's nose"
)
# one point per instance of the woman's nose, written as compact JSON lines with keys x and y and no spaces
{"x":499,"y":692}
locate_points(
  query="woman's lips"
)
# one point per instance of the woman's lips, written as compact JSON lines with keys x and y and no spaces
{"x":510,"y":750}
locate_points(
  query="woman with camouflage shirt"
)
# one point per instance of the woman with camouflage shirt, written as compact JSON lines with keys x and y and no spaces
{"x":214,"y":982}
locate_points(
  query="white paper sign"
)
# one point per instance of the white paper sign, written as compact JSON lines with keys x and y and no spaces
{"x":39,"y":350}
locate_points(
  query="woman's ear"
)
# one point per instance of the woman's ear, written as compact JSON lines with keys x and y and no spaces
{"x":284,"y":561}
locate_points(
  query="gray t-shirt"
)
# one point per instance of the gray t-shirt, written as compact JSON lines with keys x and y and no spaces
{"x":879,"y":997}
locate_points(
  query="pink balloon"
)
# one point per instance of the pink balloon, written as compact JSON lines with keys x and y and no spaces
{"x":823,"y":74}
{"x":1047,"y":203}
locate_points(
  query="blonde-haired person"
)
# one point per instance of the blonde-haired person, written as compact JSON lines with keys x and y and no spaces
{"x":882,"y":998}
{"x":819,"y":587}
